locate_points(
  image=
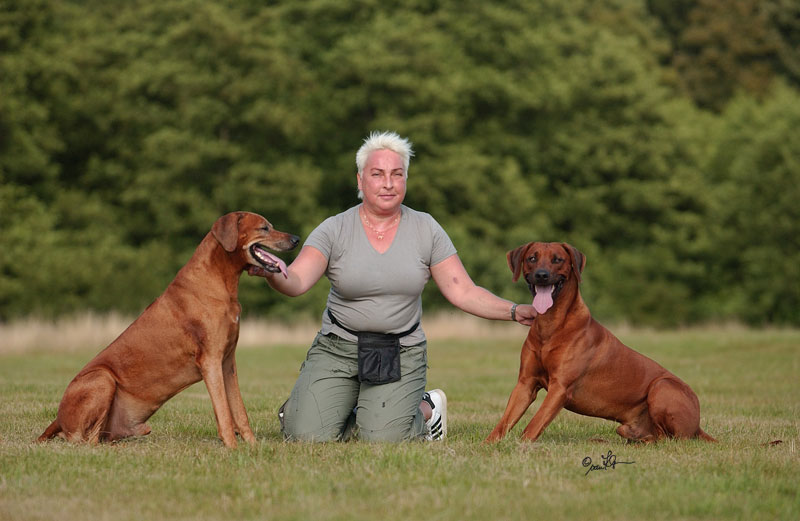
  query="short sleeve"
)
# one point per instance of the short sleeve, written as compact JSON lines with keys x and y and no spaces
{"x":442,"y":247}
{"x":323,"y":237}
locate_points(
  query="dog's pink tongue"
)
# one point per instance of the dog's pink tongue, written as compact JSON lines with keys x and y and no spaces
{"x":282,"y":266}
{"x":276,"y":260}
{"x":543,"y":299}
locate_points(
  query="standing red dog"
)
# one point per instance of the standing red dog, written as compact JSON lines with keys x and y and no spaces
{"x":584,"y":368}
{"x":187,"y":334}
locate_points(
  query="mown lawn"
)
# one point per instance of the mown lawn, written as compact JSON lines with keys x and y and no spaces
{"x":748,"y":383}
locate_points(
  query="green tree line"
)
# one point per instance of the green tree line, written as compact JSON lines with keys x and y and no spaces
{"x":657,"y":136}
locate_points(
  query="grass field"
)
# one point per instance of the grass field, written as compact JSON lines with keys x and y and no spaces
{"x":748,"y":383}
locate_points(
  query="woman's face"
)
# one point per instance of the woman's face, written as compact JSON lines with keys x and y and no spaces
{"x":383,"y":181}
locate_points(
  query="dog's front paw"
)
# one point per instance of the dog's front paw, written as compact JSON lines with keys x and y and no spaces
{"x":494,"y":437}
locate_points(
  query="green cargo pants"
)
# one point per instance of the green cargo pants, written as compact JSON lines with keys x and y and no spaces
{"x":327,"y":391}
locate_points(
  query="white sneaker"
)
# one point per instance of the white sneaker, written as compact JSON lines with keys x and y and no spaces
{"x":437,"y":424}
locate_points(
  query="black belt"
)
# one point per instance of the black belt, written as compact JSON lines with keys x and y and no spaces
{"x":355,"y":333}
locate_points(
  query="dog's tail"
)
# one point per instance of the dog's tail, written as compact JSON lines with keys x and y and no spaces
{"x":705,"y":436}
{"x":50,"y":432}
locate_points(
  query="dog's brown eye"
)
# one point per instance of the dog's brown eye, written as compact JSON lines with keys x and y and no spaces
{"x":557,"y":260}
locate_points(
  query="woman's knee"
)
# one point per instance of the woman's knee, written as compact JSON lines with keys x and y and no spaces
{"x":307,"y":418}
{"x":404,"y":427}
{"x":300,"y":426}
{"x":319,"y":436}
{"x":393,"y":435}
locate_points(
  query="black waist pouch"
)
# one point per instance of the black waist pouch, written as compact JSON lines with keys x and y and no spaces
{"x":378,"y":354}
{"x":378,"y":358}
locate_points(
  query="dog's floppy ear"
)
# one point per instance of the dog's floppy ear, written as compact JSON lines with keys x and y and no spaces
{"x":514,"y":258}
{"x":226,"y":231}
{"x":578,"y":259}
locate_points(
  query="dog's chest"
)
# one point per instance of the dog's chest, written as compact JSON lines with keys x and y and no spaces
{"x":233,"y":321}
{"x":548,"y":358}
{"x":223,"y":328}
{"x":234,"y":313}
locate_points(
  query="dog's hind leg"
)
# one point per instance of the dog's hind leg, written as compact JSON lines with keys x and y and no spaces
{"x":703,"y":435}
{"x":83,"y":412}
{"x":127,"y":417}
{"x":638,"y":433}
{"x":674,"y":408}
{"x":50,"y":432}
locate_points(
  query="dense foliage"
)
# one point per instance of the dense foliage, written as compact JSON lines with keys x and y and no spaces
{"x":657,"y":137}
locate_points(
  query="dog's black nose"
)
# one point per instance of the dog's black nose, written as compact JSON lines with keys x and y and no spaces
{"x":541,"y":276}
{"x":295,"y":240}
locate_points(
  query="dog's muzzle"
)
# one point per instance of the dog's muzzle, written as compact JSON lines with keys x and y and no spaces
{"x":267,"y":261}
{"x":545,"y":287}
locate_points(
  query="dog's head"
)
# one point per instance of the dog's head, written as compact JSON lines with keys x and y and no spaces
{"x":252,"y":234}
{"x":546,"y":266}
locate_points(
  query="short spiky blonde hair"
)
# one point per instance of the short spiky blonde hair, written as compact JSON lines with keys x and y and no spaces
{"x":386,"y":140}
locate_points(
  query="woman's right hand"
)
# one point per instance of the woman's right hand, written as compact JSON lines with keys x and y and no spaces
{"x":257,"y":271}
{"x":304,"y":272}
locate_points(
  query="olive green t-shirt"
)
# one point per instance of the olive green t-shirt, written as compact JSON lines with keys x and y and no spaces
{"x":379,"y":292}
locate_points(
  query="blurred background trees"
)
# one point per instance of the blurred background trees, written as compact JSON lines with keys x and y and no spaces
{"x":657,"y":136}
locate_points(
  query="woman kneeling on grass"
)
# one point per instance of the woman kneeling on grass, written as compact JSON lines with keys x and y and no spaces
{"x":378,"y":256}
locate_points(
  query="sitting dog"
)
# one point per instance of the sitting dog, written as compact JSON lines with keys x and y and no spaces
{"x":187,"y":334}
{"x":583,"y":367}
